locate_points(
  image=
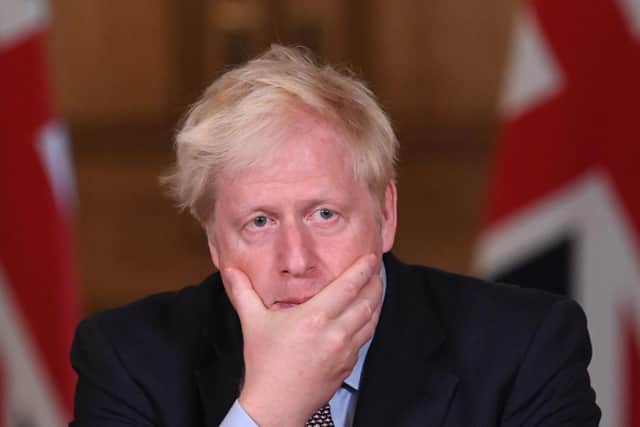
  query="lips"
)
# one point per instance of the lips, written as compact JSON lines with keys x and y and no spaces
{"x":290,"y":302}
{"x":283,"y":305}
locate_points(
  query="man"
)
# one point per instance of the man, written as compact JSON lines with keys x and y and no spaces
{"x":289,"y":167}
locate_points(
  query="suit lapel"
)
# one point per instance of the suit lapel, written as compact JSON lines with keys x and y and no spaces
{"x":221,"y":363}
{"x":405,"y":381}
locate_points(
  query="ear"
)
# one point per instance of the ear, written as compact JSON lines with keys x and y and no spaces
{"x":389,"y":216}
{"x":213,"y":247}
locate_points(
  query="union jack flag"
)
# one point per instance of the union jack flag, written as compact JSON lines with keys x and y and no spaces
{"x":564,"y":206}
{"x":38,"y":301}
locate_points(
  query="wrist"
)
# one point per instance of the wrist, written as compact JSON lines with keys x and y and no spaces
{"x":266,"y":410}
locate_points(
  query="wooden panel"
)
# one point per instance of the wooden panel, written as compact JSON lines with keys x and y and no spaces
{"x":321,"y":26}
{"x":131,"y":240}
{"x":111,"y":63}
{"x":235,"y":31}
{"x":238,"y":30}
{"x":434,"y":64}
{"x":441,"y":194}
{"x":437,"y":64}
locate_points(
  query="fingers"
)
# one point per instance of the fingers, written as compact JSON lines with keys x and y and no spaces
{"x":345,"y":289}
{"x":358,"y":322}
{"x":364,"y":330}
{"x":365,"y":333}
{"x":364,"y":307}
{"x":241,"y":293}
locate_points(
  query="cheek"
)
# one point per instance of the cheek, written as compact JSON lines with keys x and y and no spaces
{"x":250,"y":259}
{"x":258,"y":262}
{"x":234,"y":253}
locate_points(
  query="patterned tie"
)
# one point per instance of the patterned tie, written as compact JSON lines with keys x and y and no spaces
{"x":322,"y":418}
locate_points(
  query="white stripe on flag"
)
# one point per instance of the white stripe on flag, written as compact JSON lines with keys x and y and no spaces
{"x":55,"y":154}
{"x":631,"y":11}
{"x":29,"y":393}
{"x":19,"y":17}
{"x":532,"y":74}
{"x":4,"y":414}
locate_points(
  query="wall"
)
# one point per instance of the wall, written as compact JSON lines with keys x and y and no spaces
{"x":124,"y":74}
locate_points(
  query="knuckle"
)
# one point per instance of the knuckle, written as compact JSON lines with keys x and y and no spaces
{"x":366,"y":307}
{"x":336,"y":341}
{"x":314,"y":322}
{"x":351,"y":288}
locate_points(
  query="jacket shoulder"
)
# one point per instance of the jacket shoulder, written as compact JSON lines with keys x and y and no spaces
{"x":461,"y":299}
{"x":125,"y":357}
{"x":521,"y":355}
{"x":498,"y":321}
{"x":160,"y":320}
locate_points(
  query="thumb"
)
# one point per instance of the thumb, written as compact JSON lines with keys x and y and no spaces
{"x":241,"y":293}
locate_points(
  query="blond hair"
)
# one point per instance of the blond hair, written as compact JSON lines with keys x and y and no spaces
{"x":216,"y":135}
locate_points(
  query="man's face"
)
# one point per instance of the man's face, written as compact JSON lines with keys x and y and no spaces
{"x":299,"y":217}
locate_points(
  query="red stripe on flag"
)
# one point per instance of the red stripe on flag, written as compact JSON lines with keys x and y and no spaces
{"x":600,"y":59}
{"x":590,"y":123}
{"x":36,"y":247}
{"x":587,"y":40}
{"x":537,"y":156}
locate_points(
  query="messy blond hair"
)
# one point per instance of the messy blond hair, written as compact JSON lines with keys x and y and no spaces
{"x":219,"y":131}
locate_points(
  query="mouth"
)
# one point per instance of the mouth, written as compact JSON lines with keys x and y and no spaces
{"x":282,"y":305}
{"x":289,"y":303}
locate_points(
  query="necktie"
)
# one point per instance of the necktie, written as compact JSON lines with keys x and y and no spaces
{"x":322,"y":418}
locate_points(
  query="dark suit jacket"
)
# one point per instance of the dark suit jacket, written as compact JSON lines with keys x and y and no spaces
{"x":448,"y":350}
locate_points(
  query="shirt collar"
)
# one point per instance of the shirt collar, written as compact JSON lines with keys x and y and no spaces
{"x":353,"y":380}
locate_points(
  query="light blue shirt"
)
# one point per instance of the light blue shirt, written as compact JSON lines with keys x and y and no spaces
{"x":343,"y":402}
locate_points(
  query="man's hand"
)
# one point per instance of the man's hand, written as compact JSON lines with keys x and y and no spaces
{"x":296,"y":358}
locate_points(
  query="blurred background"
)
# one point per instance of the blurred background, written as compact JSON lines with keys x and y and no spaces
{"x":518,"y":124}
{"x":123,"y":76}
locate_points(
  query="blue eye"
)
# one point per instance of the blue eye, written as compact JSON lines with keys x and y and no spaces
{"x":259,"y":221}
{"x":326,"y":214}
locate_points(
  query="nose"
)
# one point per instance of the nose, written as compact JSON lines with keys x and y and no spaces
{"x":296,"y":249}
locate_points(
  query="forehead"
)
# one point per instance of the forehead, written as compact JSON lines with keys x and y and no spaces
{"x":308,"y":145}
{"x":298,"y":135}
{"x":306,"y":155}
